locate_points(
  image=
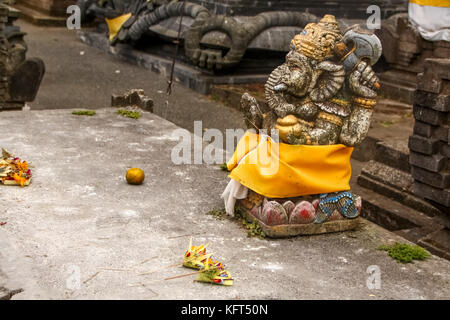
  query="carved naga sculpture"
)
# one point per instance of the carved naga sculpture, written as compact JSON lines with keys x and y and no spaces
{"x":321,"y":101}
{"x":129,"y":20}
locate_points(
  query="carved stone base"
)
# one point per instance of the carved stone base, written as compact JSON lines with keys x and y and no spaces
{"x":305,"y":215}
{"x":291,"y":230}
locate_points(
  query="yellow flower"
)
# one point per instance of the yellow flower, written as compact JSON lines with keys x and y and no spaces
{"x":19,"y":179}
{"x":22,"y":166}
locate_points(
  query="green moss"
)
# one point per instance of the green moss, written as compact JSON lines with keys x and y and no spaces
{"x":84,"y":113}
{"x":224,"y":167}
{"x":218,"y":213}
{"x":129,"y":114}
{"x":253,"y":229}
{"x":405,"y":253}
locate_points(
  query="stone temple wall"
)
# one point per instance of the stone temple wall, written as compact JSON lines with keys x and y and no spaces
{"x":430,"y":143}
{"x":352,"y":9}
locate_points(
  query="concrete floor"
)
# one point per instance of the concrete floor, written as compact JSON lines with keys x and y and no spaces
{"x":80,"y":232}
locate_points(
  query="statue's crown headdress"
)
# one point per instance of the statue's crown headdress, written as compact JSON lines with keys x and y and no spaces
{"x":317,"y":40}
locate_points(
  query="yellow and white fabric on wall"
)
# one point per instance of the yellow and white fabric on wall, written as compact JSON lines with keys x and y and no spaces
{"x":431,"y":17}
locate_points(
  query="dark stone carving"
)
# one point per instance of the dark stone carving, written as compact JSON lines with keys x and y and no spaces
{"x":217,"y":34}
{"x":19,"y":78}
{"x":239,"y":34}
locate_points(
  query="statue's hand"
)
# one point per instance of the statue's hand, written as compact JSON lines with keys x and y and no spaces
{"x":363,"y":81}
{"x":208,"y":58}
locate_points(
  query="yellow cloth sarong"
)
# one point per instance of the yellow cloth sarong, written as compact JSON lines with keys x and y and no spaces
{"x":279,"y":170}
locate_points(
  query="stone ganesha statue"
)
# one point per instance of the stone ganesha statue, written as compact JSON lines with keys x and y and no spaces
{"x":321,"y":101}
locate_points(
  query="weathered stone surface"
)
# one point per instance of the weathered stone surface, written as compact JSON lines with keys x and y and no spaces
{"x":438,"y":243}
{"x":386,"y":174}
{"x":26,"y":79}
{"x":437,"y":68}
{"x":423,"y":145}
{"x":430,"y":131}
{"x":423,"y":129}
{"x":121,"y":226}
{"x":430,"y":151}
{"x":441,"y":196}
{"x":433,"y":163}
{"x":133,"y":97}
{"x":445,"y":149}
{"x":396,"y":156}
{"x":395,"y":184}
{"x":430,"y":116}
{"x":427,"y":84}
{"x":431,"y":100}
{"x":435,"y":179}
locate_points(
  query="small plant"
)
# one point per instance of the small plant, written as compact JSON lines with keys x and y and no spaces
{"x":253,"y":229}
{"x":224,"y":167}
{"x":405,"y":253}
{"x":84,"y":113}
{"x":218,"y":213}
{"x":129,"y":113}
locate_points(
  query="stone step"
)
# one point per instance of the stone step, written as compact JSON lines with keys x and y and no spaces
{"x":399,"y":77}
{"x":395,"y":184}
{"x":395,"y":154}
{"x":394,"y":216}
{"x":396,"y":91}
{"x":438,"y":243}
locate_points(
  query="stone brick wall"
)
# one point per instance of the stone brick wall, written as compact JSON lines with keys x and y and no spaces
{"x":354,"y":9}
{"x":52,"y":7}
{"x":430,"y":143}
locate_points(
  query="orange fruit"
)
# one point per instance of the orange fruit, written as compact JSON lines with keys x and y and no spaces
{"x":135,"y":176}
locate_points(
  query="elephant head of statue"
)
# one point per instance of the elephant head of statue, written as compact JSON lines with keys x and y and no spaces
{"x":310,"y":69}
